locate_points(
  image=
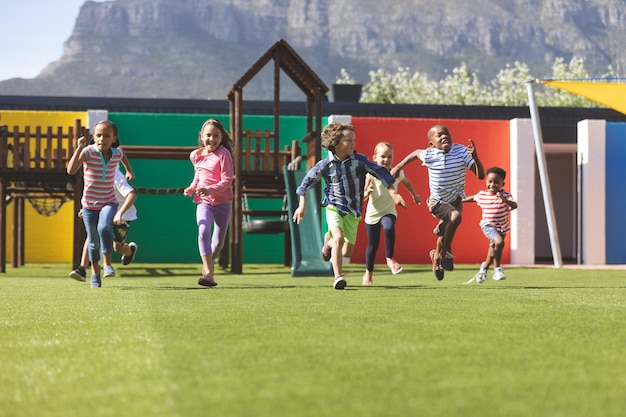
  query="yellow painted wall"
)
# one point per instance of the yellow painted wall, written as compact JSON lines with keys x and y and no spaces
{"x":47,"y":238}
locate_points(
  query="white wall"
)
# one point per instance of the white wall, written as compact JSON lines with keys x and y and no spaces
{"x":522,"y":183}
{"x":591,"y":160}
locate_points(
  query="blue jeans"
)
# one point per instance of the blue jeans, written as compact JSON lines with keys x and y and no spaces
{"x":99,"y":226}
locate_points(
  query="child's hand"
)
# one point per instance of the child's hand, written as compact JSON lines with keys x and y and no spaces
{"x":397,"y":198}
{"x":188,"y":192}
{"x":81,"y":142}
{"x":298,"y":214}
{"x":203,"y":192}
{"x":417,"y":199}
{"x":369,"y":189}
{"x":471,"y":148}
{"x":130,"y":176}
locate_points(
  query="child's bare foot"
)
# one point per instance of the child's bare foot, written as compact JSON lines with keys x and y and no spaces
{"x":367,"y":278}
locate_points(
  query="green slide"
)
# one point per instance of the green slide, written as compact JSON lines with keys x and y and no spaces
{"x":306,"y":237}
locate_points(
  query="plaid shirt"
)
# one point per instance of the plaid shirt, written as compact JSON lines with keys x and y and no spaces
{"x":345,"y":181}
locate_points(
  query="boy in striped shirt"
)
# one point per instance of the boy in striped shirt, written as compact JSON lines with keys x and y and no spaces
{"x":496,"y":203}
{"x":446,"y":162}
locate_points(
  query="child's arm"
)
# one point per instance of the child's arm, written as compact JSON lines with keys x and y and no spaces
{"x":299,"y":213}
{"x":409,"y":186}
{"x":469,"y":199}
{"x":130,"y":175}
{"x":407,"y":160}
{"x":477,"y":168}
{"x":189,"y":191}
{"x":369,"y":188}
{"x":511,"y":203}
{"x":78,"y":157}
{"x":130,"y":199}
{"x":396,"y":197}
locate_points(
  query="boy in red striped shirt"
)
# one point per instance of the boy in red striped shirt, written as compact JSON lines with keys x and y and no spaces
{"x":496,"y":203}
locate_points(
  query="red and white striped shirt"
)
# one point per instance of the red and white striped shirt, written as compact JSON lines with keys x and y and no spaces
{"x":99,"y":177}
{"x":495,"y":211}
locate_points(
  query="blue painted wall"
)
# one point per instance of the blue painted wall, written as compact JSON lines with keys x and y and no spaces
{"x":615,"y":193}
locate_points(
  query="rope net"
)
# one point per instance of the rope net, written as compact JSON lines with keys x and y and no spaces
{"x":47,"y":204}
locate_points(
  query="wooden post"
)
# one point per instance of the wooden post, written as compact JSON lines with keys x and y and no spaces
{"x":3,"y":226}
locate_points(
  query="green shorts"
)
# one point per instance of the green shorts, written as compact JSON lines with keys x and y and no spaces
{"x":348,"y":223}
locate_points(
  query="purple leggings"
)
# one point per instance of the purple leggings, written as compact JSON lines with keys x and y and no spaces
{"x":206,"y":216}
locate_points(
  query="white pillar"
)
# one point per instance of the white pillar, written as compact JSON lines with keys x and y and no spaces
{"x":340,"y":118}
{"x":591,"y":161}
{"x":521,"y":183}
{"x":95,"y":116}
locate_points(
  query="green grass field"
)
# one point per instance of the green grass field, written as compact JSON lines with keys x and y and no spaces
{"x":151,"y":342}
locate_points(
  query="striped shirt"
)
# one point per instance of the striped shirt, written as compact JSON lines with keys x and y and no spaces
{"x":495,"y":211}
{"x":446,"y":171}
{"x":345,"y":181}
{"x":99,"y":178}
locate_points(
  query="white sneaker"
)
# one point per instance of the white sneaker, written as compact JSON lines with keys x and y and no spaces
{"x":498,"y":274}
{"x":339,"y":283}
{"x":481,"y":276}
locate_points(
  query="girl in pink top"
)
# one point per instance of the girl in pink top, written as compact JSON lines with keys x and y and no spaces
{"x":211,"y":189}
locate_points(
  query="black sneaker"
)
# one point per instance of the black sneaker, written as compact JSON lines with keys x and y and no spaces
{"x":79,"y":274}
{"x":438,"y":270}
{"x":446,"y":261}
{"x":133,"y":250}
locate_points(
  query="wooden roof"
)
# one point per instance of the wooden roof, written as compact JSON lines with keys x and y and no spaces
{"x":292,"y":65}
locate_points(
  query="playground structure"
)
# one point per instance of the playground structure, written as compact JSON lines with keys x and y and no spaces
{"x":33,"y":167}
{"x":266,"y":176}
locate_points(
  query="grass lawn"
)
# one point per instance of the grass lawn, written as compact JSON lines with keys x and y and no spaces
{"x":151,"y":342}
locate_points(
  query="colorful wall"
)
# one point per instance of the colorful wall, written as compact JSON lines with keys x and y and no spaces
{"x":48,"y":239}
{"x":166,"y":229}
{"x":414,"y":236}
{"x":614,"y":192}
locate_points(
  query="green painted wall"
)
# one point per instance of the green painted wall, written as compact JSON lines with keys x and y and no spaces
{"x":166,"y":228}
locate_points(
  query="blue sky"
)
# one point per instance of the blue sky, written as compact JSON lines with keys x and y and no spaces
{"x":32,"y":35}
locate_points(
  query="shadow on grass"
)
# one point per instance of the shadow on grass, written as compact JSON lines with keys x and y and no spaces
{"x":140,"y":271}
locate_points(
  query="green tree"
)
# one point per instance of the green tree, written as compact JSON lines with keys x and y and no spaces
{"x":462,"y":87}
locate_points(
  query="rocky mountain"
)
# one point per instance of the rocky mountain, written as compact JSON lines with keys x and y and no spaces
{"x":199,"y":48}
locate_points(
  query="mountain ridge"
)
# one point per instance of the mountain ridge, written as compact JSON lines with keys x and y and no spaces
{"x":199,"y":48}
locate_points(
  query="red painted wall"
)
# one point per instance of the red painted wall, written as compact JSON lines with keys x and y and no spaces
{"x":414,"y":227}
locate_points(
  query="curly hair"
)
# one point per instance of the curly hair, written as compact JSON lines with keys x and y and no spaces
{"x":333,"y":133}
{"x":227,"y":141}
{"x":498,"y":171}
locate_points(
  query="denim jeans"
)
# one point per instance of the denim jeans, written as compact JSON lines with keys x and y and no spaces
{"x":99,"y":226}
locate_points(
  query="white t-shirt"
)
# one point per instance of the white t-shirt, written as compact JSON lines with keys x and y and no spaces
{"x":122,"y":189}
{"x":380,"y":202}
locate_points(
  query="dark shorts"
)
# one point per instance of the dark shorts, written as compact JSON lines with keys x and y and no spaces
{"x":120,"y":231}
{"x":441,"y":210}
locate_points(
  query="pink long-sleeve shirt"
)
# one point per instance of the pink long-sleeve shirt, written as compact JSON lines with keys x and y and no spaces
{"x":213,"y":171}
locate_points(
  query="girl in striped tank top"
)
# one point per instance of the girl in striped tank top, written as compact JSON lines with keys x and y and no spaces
{"x":99,"y":203}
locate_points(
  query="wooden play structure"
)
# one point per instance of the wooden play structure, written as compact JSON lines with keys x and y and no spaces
{"x":33,"y":164}
{"x":265,"y":178}
{"x":33,"y":167}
